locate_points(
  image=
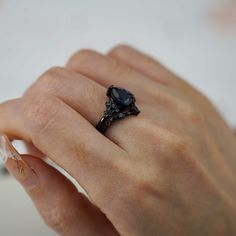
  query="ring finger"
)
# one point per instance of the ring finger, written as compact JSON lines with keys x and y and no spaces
{"x":84,"y":95}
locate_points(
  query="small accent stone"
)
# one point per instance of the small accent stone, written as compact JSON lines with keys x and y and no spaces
{"x":121,"y":115}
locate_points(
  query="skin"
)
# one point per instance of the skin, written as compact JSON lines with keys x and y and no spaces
{"x":171,"y":170}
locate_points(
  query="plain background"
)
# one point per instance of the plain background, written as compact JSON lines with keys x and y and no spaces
{"x":35,"y":35}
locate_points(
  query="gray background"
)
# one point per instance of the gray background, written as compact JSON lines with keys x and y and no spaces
{"x":36,"y":35}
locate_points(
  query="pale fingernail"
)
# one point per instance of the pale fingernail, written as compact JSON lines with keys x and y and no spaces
{"x":4,"y":148}
{"x":16,"y":165}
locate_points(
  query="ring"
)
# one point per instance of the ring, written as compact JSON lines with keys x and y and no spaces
{"x":120,"y":104}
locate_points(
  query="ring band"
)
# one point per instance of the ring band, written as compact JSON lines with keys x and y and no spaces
{"x":120,"y":104}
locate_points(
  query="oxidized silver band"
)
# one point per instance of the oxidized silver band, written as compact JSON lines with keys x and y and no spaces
{"x":120,"y":104}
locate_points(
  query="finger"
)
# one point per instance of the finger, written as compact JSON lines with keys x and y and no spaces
{"x":154,"y":70}
{"x":67,"y":138}
{"x":61,"y":206}
{"x":143,"y":63}
{"x":82,"y":94}
{"x":106,"y":71}
{"x":150,"y":95}
{"x":157,"y":72}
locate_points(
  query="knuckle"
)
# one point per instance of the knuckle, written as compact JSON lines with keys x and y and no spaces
{"x":172,"y":141}
{"x":39,"y":111}
{"x":150,"y":131}
{"x":49,"y":81}
{"x":163,"y":140}
{"x":120,"y":49}
{"x":119,"y":68}
{"x":147,"y":188}
{"x":51,"y":78}
{"x":149,"y":128}
{"x":178,"y":143}
{"x":178,"y":150}
{"x":54,"y":71}
{"x":190,"y":113}
{"x":178,"y":156}
{"x":81,"y":57}
{"x":143,"y":186}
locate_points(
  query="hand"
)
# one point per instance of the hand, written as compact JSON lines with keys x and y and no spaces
{"x":171,"y":170}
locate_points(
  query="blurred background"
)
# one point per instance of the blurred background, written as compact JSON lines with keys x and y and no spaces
{"x":195,"y":38}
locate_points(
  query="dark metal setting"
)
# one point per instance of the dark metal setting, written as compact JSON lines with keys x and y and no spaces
{"x":120,"y":104}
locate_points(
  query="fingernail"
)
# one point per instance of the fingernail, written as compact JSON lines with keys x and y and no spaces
{"x":16,"y":165}
{"x":4,"y":148}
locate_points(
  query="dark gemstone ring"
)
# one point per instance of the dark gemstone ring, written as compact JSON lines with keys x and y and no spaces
{"x":121,"y":103}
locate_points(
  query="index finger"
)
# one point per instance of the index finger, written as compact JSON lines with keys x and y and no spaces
{"x":66,"y":137}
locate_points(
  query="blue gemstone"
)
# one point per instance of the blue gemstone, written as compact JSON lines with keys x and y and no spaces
{"x":121,"y":96}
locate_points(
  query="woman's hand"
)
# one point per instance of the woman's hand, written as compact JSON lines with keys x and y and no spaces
{"x":171,"y":170}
